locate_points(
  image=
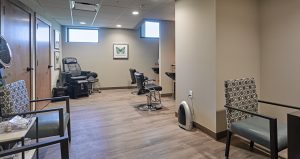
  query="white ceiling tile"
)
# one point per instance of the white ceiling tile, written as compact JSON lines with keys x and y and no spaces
{"x":112,"y":12}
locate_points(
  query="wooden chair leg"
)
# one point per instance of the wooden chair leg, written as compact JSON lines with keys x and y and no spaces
{"x":229,"y":134}
{"x":69,"y":130}
{"x":251,"y":145}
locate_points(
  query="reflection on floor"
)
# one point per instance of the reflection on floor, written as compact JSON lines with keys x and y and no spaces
{"x":108,"y":126}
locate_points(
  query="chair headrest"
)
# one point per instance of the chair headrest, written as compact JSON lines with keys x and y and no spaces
{"x":69,"y":60}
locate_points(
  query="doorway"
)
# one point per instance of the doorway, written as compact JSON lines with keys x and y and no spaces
{"x":43,"y":63}
{"x":16,"y":29}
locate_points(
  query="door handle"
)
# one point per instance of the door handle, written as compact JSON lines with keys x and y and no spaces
{"x":49,"y":66}
{"x":29,"y":69}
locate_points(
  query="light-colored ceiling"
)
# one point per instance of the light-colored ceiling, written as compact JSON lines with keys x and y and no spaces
{"x":111,"y":13}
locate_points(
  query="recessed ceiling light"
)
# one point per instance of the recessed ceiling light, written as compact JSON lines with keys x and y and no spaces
{"x":82,"y":22}
{"x":135,"y":12}
{"x":119,"y":26}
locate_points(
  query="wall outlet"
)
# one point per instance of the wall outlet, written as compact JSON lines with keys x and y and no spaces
{"x":190,"y":94}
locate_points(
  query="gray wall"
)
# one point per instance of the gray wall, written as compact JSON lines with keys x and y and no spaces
{"x":195,"y":34}
{"x":98,"y":57}
{"x":280,"y":58}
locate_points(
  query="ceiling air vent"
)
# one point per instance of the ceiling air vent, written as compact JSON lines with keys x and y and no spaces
{"x":84,"y":6}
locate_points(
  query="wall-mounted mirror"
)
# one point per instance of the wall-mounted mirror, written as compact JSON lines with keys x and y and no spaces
{"x":5,"y":54}
{"x":5,"y":58}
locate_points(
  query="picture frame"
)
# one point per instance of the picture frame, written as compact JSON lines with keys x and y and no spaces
{"x":56,"y":39}
{"x":120,"y":51}
{"x":56,"y":60}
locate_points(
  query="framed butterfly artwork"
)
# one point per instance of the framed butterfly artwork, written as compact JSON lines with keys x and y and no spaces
{"x":120,"y":51}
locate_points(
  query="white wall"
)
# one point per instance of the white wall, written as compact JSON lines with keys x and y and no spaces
{"x":98,"y":57}
{"x":238,"y":47}
{"x":195,"y":34}
{"x":166,"y":54}
{"x":280,"y":58}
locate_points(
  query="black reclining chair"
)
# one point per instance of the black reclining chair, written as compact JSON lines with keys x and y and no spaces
{"x":151,"y":90}
{"x":77,"y":81}
{"x":133,"y":80}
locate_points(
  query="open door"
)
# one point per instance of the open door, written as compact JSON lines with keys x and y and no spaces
{"x":43,"y":61}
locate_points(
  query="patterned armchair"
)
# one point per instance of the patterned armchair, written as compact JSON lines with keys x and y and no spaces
{"x":14,"y":100}
{"x":243,"y":117}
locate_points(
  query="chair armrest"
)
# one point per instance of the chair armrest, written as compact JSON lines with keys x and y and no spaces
{"x":66,"y":75}
{"x":45,"y":99}
{"x":85,"y":73}
{"x":62,"y":140}
{"x":251,"y":113}
{"x":148,"y":81}
{"x":280,"y":105}
{"x":33,"y":112}
{"x":66,"y":98}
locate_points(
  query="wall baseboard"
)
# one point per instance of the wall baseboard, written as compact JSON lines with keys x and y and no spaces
{"x":167,"y":95}
{"x":124,"y":87}
{"x":216,"y":136}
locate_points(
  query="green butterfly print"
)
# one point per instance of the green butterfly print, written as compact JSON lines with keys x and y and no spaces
{"x":120,"y":50}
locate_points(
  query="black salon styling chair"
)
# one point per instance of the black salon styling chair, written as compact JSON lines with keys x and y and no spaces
{"x":133,"y":80}
{"x":244,"y":119}
{"x":151,"y":90}
{"x":79,"y":82}
{"x":132,"y":71}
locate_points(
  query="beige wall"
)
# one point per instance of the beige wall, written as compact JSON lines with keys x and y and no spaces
{"x":98,"y":57}
{"x":215,"y":41}
{"x":280,"y":58}
{"x":195,"y":44}
{"x":166,"y":54}
{"x":238,"y":47}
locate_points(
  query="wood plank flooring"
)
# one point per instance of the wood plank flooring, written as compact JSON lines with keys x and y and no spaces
{"x":108,"y":126}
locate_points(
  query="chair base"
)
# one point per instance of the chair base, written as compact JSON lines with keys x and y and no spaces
{"x":150,"y":107}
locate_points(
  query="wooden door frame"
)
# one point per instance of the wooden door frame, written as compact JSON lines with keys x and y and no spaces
{"x":38,"y":17}
{"x":31,"y":34}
